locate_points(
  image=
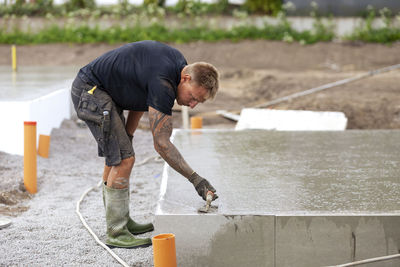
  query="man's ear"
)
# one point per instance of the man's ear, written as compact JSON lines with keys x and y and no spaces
{"x":187,"y":78}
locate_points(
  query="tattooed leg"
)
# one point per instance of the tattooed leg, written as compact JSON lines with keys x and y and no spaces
{"x":118,"y":177}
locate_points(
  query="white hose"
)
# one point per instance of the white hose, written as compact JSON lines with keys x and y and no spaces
{"x":157,"y":159}
{"x":384,"y":258}
{"x":90,"y":230}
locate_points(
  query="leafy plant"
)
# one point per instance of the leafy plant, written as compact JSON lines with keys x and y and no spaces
{"x":196,"y":7}
{"x":322,"y":31}
{"x":22,"y":8}
{"x":366,"y":32}
{"x":271,"y":7}
{"x":154,"y":2}
{"x":72,"y":5}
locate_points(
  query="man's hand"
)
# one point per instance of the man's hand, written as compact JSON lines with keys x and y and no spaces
{"x":202,"y":186}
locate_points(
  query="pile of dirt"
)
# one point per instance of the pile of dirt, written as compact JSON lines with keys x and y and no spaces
{"x":12,"y":202}
{"x":370,"y":103}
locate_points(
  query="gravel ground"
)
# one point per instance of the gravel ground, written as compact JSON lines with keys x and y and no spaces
{"x":50,"y":233}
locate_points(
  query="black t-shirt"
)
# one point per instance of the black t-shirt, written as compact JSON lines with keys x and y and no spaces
{"x":138,"y":75}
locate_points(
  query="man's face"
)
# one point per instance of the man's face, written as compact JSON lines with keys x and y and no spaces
{"x":189,"y":93}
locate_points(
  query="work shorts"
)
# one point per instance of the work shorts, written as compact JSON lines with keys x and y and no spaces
{"x":105,"y":120}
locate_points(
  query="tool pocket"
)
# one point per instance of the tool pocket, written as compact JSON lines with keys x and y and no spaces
{"x":96,"y":107}
{"x":91,"y":106}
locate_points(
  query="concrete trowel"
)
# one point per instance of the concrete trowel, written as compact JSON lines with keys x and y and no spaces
{"x":208,"y":208}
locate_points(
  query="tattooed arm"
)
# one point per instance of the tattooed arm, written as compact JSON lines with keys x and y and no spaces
{"x":161,"y":126}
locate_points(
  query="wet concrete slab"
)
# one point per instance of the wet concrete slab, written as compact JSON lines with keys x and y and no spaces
{"x":323,"y":196}
{"x":31,"y":82}
{"x":263,"y":172}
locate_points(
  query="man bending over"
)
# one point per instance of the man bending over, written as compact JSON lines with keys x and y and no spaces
{"x":139,"y":77}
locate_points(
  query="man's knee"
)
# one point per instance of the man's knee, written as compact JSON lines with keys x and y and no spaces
{"x":127,"y":163}
{"x":119,"y":175}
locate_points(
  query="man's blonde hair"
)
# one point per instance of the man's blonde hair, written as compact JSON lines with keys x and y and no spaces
{"x":204,"y":75}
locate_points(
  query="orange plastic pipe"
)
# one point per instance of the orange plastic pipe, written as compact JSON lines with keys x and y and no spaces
{"x":164,"y":250}
{"x":30,"y":172}
{"x":44,"y":145}
{"x":196,"y":122}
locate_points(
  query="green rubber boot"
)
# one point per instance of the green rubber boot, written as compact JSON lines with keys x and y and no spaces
{"x":134,"y":227}
{"x":117,"y":216}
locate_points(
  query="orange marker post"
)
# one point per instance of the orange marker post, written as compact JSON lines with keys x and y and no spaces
{"x":30,"y":171}
{"x":164,"y":250}
{"x":196,"y":122}
{"x":44,"y":145}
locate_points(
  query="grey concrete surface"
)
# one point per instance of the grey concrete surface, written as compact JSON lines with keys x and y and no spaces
{"x":353,"y":172}
{"x":32,"y":82}
{"x":218,"y":240}
{"x":328,"y":240}
{"x":332,"y":187}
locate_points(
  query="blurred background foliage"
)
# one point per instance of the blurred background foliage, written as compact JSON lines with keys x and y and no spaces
{"x":82,"y":21}
{"x":42,"y":7}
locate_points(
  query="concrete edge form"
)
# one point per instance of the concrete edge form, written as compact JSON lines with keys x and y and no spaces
{"x":48,"y":111}
{"x":253,"y":240}
{"x":332,"y":240}
{"x":220,"y":240}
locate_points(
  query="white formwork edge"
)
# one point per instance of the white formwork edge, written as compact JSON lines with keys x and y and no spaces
{"x":48,"y":111}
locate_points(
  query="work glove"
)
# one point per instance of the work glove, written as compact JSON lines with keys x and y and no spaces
{"x":202,"y":186}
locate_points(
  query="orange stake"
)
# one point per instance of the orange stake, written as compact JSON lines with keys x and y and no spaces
{"x":44,"y":145}
{"x":30,"y":179}
{"x":164,"y":250}
{"x":196,"y":122}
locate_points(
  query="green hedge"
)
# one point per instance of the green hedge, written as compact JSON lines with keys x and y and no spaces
{"x":75,"y":32}
{"x":383,"y":35}
{"x":124,"y":8}
{"x":158,"y":32}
